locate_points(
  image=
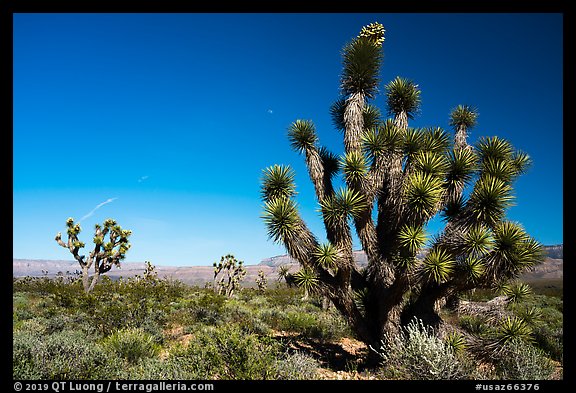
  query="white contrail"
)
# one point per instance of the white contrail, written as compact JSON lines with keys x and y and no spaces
{"x":98,"y":206}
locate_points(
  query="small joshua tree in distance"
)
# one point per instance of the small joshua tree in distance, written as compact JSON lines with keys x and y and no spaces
{"x":261,"y":281}
{"x":231,"y":272}
{"x":105,"y":253}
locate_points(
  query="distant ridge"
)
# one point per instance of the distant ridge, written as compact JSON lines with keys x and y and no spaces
{"x":198,"y":275}
{"x":552,"y":252}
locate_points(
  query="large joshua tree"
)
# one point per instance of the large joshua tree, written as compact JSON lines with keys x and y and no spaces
{"x":395,"y":179}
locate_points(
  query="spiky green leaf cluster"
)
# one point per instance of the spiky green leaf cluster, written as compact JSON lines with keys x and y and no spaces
{"x":422,"y":193}
{"x":474,"y":268}
{"x":433,"y":142}
{"x":489,"y":200}
{"x":403,"y":95}
{"x":463,"y":115}
{"x":513,"y":328}
{"x":411,"y":238}
{"x":478,"y":240}
{"x":281,"y":218}
{"x":462,"y":164}
{"x":516,"y":291}
{"x":361,"y":61}
{"x":431,"y":163}
{"x":499,"y":159}
{"x":437,"y":266}
{"x":327,"y":255}
{"x":361,"y":297}
{"x":278,"y":182}
{"x":371,"y":116}
{"x":354,"y":166}
{"x":456,"y":342}
{"x":513,"y":251}
{"x":385,"y":138}
{"x":307,"y":280}
{"x":341,"y":205}
{"x":302,"y":135}
{"x":530,"y":314}
{"x":412,"y":142}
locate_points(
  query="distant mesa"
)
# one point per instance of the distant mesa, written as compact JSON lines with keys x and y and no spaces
{"x":553,"y":252}
{"x":552,"y":268}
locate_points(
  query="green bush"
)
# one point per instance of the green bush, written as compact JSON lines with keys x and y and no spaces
{"x":24,"y":345}
{"x":300,"y":322}
{"x":417,"y":353}
{"x":522,"y":361}
{"x":173,"y":368}
{"x":550,"y":341}
{"x":283,"y":297}
{"x":132,"y":344}
{"x":332,"y":326}
{"x":296,"y":366}
{"x":21,"y":307}
{"x":227,"y":353}
{"x":61,"y":355}
{"x":323,"y":325}
{"x":239,"y":313}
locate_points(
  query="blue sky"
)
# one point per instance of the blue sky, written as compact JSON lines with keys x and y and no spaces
{"x":166,"y":121}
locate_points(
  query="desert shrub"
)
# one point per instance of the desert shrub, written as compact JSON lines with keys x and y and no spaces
{"x":206,"y":315}
{"x":62,"y":355}
{"x":20,"y":300}
{"x":37,"y":325}
{"x":21,"y":307}
{"x":552,"y":315}
{"x":417,"y":353}
{"x":24,"y":345}
{"x":522,"y":361}
{"x":173,"y":368}
{"x":118,"y":311}
{"x":283,"y":297}
{"x":300,"y":322}
{"x":239,"y":313}
{"x":296,"y":366}
{"x":43,"y":286}
{"x":273,"y":317}
{"x":132,"y":344}
{"x":227,"y":352}
{"x":551,"y":341}
{"x":306,"y":319}
{"x":479,"y":294}
{"x":544,"y":315}
{"x":257,"y":301}
{"x":332,"y":326}
{"x":320,"y":325}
